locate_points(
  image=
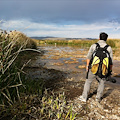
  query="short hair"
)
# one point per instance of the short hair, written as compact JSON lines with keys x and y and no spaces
{"x":103,"y":36}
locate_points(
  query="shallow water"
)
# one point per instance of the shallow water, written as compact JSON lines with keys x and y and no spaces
{"x":67,"y":59}
{"x":63,"y":53}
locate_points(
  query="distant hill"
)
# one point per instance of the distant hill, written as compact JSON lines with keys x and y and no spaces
{"x":41,"y":38}
{"x":58,"y":38}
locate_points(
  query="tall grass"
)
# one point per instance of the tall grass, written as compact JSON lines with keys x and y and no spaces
{"x":22,"y":39}
{"x":80,"y":43}
{"x":114,"y":43}
{"x":10,"y":73}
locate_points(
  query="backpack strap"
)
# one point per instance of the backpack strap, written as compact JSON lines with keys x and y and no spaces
{"x":97,"y":45}
{"x":106,"y":47}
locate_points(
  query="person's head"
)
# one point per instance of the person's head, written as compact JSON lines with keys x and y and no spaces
{"x":103,"y":36}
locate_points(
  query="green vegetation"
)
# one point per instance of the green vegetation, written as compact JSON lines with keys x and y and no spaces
{"x":80,"y":43}
{"x":114,"y":43}
{"x":51,"y":106}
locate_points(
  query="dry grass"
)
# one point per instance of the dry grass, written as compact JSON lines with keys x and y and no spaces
{"x":10,"y":71}
{"x":22,"y":39}
{"x":115,"y":43}
{"x":10,"y":77}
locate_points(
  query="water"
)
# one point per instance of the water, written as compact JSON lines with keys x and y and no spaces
{"x":64,"y":54}
{"x":67,"y":59}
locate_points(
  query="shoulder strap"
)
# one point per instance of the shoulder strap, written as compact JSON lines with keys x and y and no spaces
{"x":106,"y":47}
{"x":97,"y":45}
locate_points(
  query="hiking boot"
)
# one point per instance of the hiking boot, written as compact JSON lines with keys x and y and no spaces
{"x":82,"y":99}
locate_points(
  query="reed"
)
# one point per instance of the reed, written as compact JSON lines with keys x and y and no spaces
{"x":22,"y":39}
{"x":114,"y":43}
{"x":10,"y":73}
{"x":10,"y":78}
{"x":81,"y":43}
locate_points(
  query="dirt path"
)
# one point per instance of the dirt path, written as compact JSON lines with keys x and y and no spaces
{"x":63,"y":69}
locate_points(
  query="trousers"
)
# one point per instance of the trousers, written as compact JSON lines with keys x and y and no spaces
{"x":87,"y":86}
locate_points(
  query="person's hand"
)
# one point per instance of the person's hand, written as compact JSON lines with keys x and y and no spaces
{"x":110,"y":72}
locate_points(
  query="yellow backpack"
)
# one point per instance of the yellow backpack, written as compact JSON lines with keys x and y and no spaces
{"x":99,"y":62}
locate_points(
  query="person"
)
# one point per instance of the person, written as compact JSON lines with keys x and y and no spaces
{"x":102,"y":42}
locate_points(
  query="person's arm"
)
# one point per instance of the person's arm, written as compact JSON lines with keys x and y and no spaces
{"x":89,"y":55}
{"x":111,"y":67}
{"x":88,"y":61}
{"x":111,"y":58}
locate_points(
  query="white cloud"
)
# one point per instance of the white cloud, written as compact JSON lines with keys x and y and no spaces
{"x":73,"y":30}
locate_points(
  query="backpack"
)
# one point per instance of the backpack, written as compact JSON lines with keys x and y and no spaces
{"x":99,"y":62}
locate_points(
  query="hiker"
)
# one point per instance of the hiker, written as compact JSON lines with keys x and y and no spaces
{"x":92,"y":74}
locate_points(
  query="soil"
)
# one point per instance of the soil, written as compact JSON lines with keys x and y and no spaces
{"x":63,"y":69}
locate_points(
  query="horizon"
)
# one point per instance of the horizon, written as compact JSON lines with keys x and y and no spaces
{"x":62,"y":37}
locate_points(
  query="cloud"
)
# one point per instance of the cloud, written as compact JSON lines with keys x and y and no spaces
{"x":61,"y":18}
{"x":90,"y":30}
{"x":60,"y":11}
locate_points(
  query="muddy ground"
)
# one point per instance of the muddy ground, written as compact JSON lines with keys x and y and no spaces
{"x":63,"y":69}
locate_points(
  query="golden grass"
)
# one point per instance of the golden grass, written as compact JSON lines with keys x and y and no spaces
{"x":22,"y":39}
{"x":114,"y":43}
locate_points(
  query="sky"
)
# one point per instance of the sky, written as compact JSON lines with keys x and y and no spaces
{"x":61,"y":18}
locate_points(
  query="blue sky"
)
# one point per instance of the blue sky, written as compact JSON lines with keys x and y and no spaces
{"x":61,"y":18}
